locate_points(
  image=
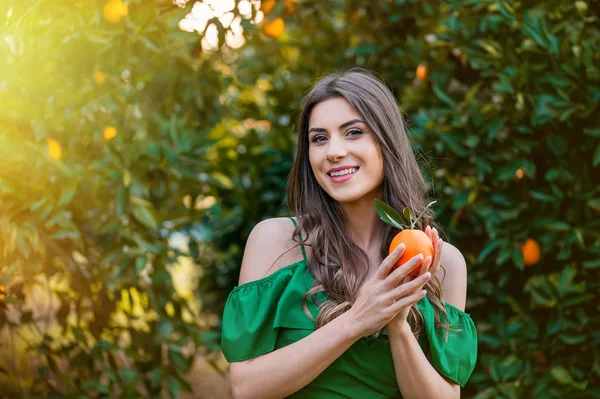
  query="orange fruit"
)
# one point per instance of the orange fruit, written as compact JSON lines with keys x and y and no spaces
{"x":273,"y":28}
{"x":110,"y":133}
{"x":531,"y":252}
{"x":519,"y":173}
{"x":2,"y":292}
{"x":415,"y":242}
{"x":54,"y":149}
{"x":290,"y":6}
{"x":266,"y":6}
{"x":99,"y":77}
{"x":114,"y":11}
{"x":422,"y":72}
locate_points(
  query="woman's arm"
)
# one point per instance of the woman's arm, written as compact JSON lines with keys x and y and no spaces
{"x":416,"y":377}
{"x":289,"y":369}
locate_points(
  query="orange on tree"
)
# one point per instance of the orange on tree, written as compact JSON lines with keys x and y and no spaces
{"x":273,"y":28}
{"x":266,"y":6}
{"x":415,"y":241}
{"x":109,"y":133}
{"x":422,"y":72}
{"x":114,"y":10}
{"x":290,"y":6}
{"x":520,"y":173}
{"x":99,"y":77}
{"x":531,"y":252}
{"x":54,"y":149}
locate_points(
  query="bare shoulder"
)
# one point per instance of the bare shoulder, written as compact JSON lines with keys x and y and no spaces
{"x":270,"y":247}
{"x":453,"y":275}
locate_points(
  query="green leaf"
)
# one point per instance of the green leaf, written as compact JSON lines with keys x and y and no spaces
{"x":389,"y":214}
{"x":128,"y":376}
{"x":533,"y":27}
{"x":592,"y":132}
{"x":121,"y":200}
{"x":552,"y":174}
{"x":492,"y":245}
{"x":222,"y":180}
{"x":572,"y":338}
{"x":558,"y":226}
{"x":561,"y":375}
{"x":408,"y":215}
{"x":594,"y":204}
{"x":173,"y":386}
{"x":164,"y":331}
{"x":37,"y":205}
{"x":557,"y":144}
{"x":517,"y":258}
{"x":67,"y":196}
{"x":542,"y":196}
{"x":145,"y":214}
{"x":495,"y":127}
{"x":592,"y":264}
{"x":443,"y":96}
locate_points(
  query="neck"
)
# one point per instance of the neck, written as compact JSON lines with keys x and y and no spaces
{"x":365,"y":228}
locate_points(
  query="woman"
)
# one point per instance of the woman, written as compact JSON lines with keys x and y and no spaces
{"x":319,"y":311}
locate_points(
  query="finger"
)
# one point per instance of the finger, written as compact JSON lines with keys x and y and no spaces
{"x":389,"y":261}
{"x":405,"y":268}
{"x":428,"y":232}
{"x":437,"y":257}
{"x":410,"y":287}
{"x":426,"y":265}
{"x":408,"y":301}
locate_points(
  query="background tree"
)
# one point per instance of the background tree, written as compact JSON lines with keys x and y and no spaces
{"x":129,"y":147}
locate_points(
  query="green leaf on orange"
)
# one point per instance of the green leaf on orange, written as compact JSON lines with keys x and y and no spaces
{"x":408,"y":214}
{"x":389,"y":214}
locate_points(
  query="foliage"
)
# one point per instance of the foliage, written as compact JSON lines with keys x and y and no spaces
{"x":120,"y":135}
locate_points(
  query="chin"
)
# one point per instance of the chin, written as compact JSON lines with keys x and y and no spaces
{"x":347,"y":198}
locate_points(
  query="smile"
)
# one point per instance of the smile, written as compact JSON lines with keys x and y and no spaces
{"x":342,"y":175}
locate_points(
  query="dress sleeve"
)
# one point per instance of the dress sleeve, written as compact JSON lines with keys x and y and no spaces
{"x":453,"y":352}
{"x":252,"y":315}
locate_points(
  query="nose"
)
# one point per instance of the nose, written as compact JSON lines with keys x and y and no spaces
{"x":336,"y":149}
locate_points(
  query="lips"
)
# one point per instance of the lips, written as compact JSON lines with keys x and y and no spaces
{"x":344,"y":177}
{"x":347,"y":169}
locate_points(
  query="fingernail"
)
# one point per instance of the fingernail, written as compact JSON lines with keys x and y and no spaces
{"x":426,"y":276}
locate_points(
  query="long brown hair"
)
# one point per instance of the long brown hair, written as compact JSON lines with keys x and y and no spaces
{"x":337,"y":264}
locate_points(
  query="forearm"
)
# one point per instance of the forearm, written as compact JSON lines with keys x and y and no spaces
{"x":415,"y":375}
{"x":286,"y":370}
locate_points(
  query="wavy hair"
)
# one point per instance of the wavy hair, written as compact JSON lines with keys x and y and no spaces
{"x":337,"y":264}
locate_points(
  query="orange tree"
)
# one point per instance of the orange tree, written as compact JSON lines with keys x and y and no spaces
{"x":120,"y":132}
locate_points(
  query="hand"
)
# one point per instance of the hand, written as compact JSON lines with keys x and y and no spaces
{"x":382,"y":296}
{"x":431,"y":267}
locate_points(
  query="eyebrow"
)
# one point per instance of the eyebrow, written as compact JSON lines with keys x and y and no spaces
{"x":343,"y":125}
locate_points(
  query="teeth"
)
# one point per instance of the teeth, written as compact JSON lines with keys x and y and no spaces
{"x":343,"y":172}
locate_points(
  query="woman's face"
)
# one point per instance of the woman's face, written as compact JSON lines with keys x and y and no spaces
{"x":344,"y":156}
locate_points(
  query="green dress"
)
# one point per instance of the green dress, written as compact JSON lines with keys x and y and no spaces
{"x":264,"y":315}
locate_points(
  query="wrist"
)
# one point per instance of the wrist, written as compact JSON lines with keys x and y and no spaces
{"x":399,"y":329}
{"x":350,"y":327}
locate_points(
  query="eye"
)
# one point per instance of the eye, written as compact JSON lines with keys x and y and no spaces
{"x":318,"y":139}
{"x":354,"y":132}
